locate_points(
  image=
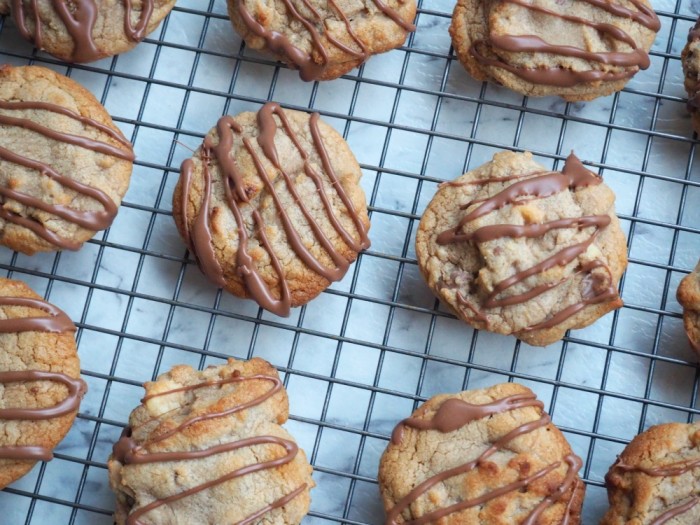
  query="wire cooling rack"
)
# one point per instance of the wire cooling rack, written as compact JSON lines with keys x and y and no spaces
{"x":367,"y":351}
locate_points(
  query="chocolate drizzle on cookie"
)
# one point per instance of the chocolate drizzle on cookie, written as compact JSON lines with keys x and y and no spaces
{"x":55,"y":322}
{"x":454,"y":414}
{"x":310,"y":67}
{"x":632,"y":61}
{"x":671,"y":469}
{"x":91,"y":220}
{"x":676,"y":511}
{"x":574,"y":176}
{"x":129,"y":451}
{"x":79,"y":18}
{"x":198,"y":235}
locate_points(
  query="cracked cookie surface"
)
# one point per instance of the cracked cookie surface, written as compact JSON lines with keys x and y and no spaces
{"x":520,"y":250}
{"x":688,"y":295}
{"x":576,"y":49}
{"x":64,"y":165}
{"x":271,"y":206}
{"x":656,"y":479}
{"x":483,"y":457}
{"x":86,"y":30}
{"x":323,"y":39}
{"x":40,"y":385}
{"x":208,"y":447}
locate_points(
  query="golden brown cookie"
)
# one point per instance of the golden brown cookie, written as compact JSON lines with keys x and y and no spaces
{"x":324,"y":39}
{"x":40,"y":385}
{"x":482,"y":457}
{"x":87,"y":30}
{"x":517,"y":249}
{"x":207,"y":447}
{"x":690,"y":59}
{"x":688,"y":296}
{"x":271,"y":206}
{"x":576,"y":49}
{"x":656,"y":479}
{"x":64,"y":165}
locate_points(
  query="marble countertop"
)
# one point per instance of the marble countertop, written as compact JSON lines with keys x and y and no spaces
{"x":366,"y":352}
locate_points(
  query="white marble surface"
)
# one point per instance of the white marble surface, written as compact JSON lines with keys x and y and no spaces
{"x":362,"y":355}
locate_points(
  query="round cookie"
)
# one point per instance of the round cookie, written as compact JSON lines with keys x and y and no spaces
{"x":323,"y":39}
{"x":271,"y":206}
{"x":87,"y":30}
{"x":481,"y":457}
{"x":208,"y":447}
{"x":656,"y":479}
{"x":690,"y":59}
{"x":64,"y":165}
{"x":517,"y":249}
{"x":40,"y":385}
{"x":688,"y":296}
{"x":576,"y":49}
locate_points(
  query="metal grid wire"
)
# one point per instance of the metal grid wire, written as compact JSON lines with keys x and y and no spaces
{"x":371,"y":348}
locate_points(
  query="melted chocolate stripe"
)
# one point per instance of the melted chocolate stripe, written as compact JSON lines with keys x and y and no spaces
{"x":26,"y":453}
{"x":454,"y":414}
{"x":565,"y":77}
{"x":54,"y":108}
{"x":675,"y":511}
{"x":277,"y":385}
{"x":138,"y":32}
{"x":328,"y":168}
{"x":535,"y":44}
{"x":94,"y":220}
{"x":76,"y":387}
{"x":672,"y":469}
{"x":79,"y":19}
{"x":128,"y":451}
{"x":67,"y":138}
{"x":56,"y":322}
{"x":278,"y":504}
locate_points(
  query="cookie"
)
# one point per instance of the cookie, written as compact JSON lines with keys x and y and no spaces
{"x":688,"y":296}
{"x":517,"y":249}
{"x":656,"y":479}
{"x":271,"y":206}
{"x":576,"y":49}
{"x":64,"y":165}
{"x":690,"y":59}
{"x":87,"y":30}
{"x":481,"y":457}
{"x":323,"y":39}
{"x":207,"y":447}
{"x":40,"y":385}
